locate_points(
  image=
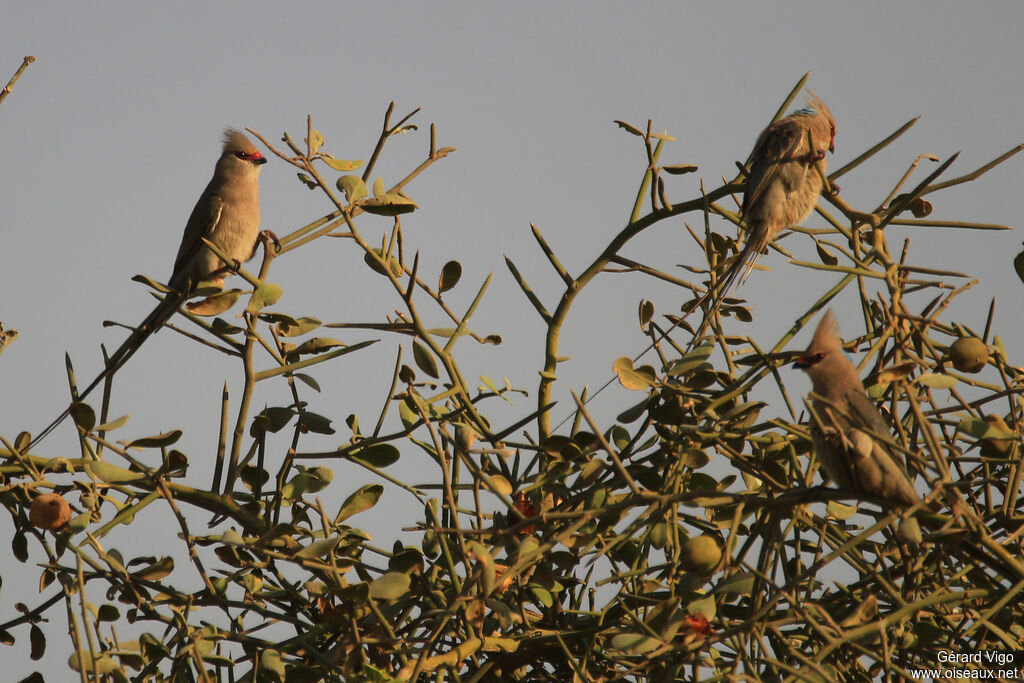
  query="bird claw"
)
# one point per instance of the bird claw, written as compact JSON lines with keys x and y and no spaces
{"x":268,"y":236}
{"x":833,"y":190}
{"x":811,"y":158}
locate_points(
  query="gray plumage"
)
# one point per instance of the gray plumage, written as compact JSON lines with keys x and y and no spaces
{"x":851,"y":442}
{"x":228,"y":214}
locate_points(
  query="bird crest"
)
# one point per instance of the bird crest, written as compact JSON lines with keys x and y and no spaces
{"x":826,"y":336}
{"x":236,"y":141}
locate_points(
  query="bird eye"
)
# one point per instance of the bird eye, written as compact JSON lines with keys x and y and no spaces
{"x":254,"y":157}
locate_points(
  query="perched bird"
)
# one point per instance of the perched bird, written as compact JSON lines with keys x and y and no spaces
{"x":783,"y":185}
{"x":228,"y":215}
{"x":850,"y":439}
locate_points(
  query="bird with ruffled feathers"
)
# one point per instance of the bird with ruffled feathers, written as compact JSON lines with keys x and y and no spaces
{"x":786,"y":177}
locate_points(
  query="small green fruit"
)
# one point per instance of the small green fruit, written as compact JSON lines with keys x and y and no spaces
{"x":969,"y":354}
{"x":701,"y":555}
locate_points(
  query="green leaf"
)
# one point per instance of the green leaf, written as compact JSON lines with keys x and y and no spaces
{"x":79,"y":522}
{"x":680,"y":169}
{"x":737,"y":584}
{"x":937,"y":381}
{"x":298,"y":327}
{"x":646,"y":312}
{"x":424,"y":359}
{"x":393,"y":264}
{"x":307,"y":481}
{"x":316,"y":345}
{"x":389,"y":204}
{"x":111,"y":474}
{"x":360,"y":501}
{"x":705,"y":606}
{"x":83,"y":415}
{"x":542,"y":595}
{"x":528,"y":550}
{"x":353,"y":187}
{"x":318,"y":424}
{"x":278,"y":417}
{"x":635,"y":379}
{"x":628,"y":128}
{"x":342,"y":164}
{"x":157,"y":441}
{"x":826,"y":256}
{"x":232,"y":538}
{"x":450,"y":274}
{"x":896,"y":372}
{"x":266,"y":294}
{"x":407,"y":414}
{"x":108,"y":613}
{"x":635,"y":643}
{"x":19,"y":547}
{"x":391,"y":586}
{"x":318,"y":548}
{"x":101,"y":666}
{"x":593,"y":467}
{"x":224,"y":328}
{"x":407,"y":561}
{"x":1018,"y":265}
{"x":315,"y":141}
{"x":215,"y":304}
{"x":633,"y":414}
{"x":308,"y":380}
{"x":378,"y":455}
{"x":270,"y":660}
{"x":156,"y":570}
{"x":980,"y":429}
{"x":112,"y":425}
{"x":840,"y":511}
{"x":501,"y":484}
{"x":693,"y":360}
{"x":38,"y":643}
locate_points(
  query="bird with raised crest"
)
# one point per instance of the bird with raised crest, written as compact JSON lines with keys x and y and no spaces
{"x":848,"y":432}
{"x":227,"y":214}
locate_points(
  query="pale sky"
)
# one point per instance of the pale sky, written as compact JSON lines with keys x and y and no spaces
{"x":108,"y":139}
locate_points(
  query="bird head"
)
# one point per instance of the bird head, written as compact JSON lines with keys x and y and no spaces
{"x":816,"y":107}
{"x":824,"y":345}
{"x":237,"y":145}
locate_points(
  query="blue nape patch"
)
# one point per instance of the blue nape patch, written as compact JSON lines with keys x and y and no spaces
{"x":806,"y":110}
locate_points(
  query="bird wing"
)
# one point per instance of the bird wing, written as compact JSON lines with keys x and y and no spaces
{"x":781,"y":143}
{"x":879,"y":467}
{"x":201,"y":223}
{"x":863,"y":411}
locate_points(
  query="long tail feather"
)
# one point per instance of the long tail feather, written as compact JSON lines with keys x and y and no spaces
{"x":740,"y":269}
{"x":161,"y":314}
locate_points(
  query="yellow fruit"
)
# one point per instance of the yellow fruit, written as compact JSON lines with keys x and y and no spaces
{"x":968,"y":354}
{"x":49,"y":511}
{"x":701,"y":555}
